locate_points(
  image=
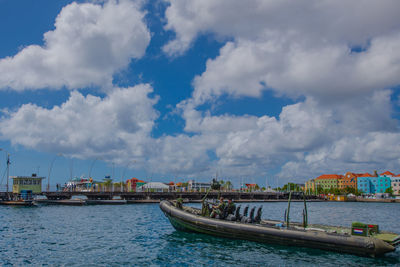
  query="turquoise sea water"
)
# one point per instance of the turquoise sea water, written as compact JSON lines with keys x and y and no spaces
{"x":140,"y":235}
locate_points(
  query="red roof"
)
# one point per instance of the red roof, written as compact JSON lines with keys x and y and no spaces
{"x":388,"y":173}
{"x":398,"y":175}
{"x":171,"y":183}
{"x":250,"y":185}
{"x":355,"y":174}
{"x":366,"y":175}
{"x":329,"y":176}
{"x":135,"y":180}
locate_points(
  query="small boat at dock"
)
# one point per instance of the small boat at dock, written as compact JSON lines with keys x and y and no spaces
{"x":68,"y":202}
{"x":105,"y":202}
{"x":21,"y":202}
{"x":331,"y":238}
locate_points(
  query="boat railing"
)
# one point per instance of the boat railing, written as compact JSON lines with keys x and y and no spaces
{"x":305,"y":213}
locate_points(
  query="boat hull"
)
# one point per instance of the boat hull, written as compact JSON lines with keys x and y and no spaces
{"x":17,"y":203}
{"x":185,"y":221}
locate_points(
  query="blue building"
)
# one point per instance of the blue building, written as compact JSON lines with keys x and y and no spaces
{"x":372,"y":185}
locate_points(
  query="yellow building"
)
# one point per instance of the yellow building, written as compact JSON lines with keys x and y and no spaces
{"x":328,"y":181}
{"x":310,"y":186}
{"x":32,"y":183}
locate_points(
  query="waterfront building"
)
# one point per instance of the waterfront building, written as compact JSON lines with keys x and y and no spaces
{"x":310,"y":186}
{"x":251,"y":187}
{"x":77,"y":184}
{"x":133,"y":184}
{"x":328,"y":181}
{"x":172,"y":186}
{"x":27,"y":183}
{"x":349,"y":180}
{"x":153,"y":187}
{"x":198,"y":186}
{"x":373,"y":185}
{"x":395,"y":183}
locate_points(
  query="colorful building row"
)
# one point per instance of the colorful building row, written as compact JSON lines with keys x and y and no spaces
{"x":363,"y":182}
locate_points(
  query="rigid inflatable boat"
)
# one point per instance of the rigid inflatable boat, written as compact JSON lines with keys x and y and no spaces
{"x":332,"y":238}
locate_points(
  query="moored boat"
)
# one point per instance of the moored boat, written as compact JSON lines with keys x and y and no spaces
{"x":20,"y":202}
{"x":339,"y":239}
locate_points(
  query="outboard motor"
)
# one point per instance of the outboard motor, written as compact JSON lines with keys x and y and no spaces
{"x":244,"y":217}
{"x":257,"y":219}
{"x":251,"y":217}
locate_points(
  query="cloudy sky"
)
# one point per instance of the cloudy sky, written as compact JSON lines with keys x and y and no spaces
{"x":257,"y":90}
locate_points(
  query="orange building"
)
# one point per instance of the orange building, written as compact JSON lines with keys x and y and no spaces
{"x":349,"y":180}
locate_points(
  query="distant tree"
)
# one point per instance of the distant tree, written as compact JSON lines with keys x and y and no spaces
{"x":350,"y":190}
{"x":107,"y":184}
{"x":389,"y":191}
{"x":359,"y":192}
{"x":215,"y":185}
{"x":291,"y":187}
{"x":228,"y":185}
{"x":337,"y":191}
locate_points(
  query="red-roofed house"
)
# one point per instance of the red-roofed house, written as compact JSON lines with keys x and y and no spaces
{"x":251,"y":187}
{"x":387,"y":173}
{"x":172,"y":186}
{"x":328,"y":181}
{"x":349,"y":180}
{"x":134,"y":183}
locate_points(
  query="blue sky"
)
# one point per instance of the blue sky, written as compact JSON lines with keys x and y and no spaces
{"x":260,"y":91}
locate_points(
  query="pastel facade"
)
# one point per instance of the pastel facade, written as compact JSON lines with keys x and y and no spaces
{"x":348,"y":180}
{"x":29,"y":183}
{"x":372,"y":185}
{"x":133,"y":184}
{"x":310,"y":186}
{"x":328,"y":181}
{"x":395,"y":183}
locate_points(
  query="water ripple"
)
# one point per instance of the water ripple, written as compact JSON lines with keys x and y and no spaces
{"x":131,"y":235}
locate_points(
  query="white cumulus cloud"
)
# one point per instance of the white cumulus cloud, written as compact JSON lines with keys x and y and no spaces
{"x":89,"y":44}
{"x":86,"y":126}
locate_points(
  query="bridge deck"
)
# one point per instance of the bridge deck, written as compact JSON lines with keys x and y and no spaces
{"x":174,"y":195}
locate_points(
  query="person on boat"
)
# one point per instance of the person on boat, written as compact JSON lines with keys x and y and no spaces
{"x":231,"y":207}
{"x":218,"y":209}
{"x":179,"y":203}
